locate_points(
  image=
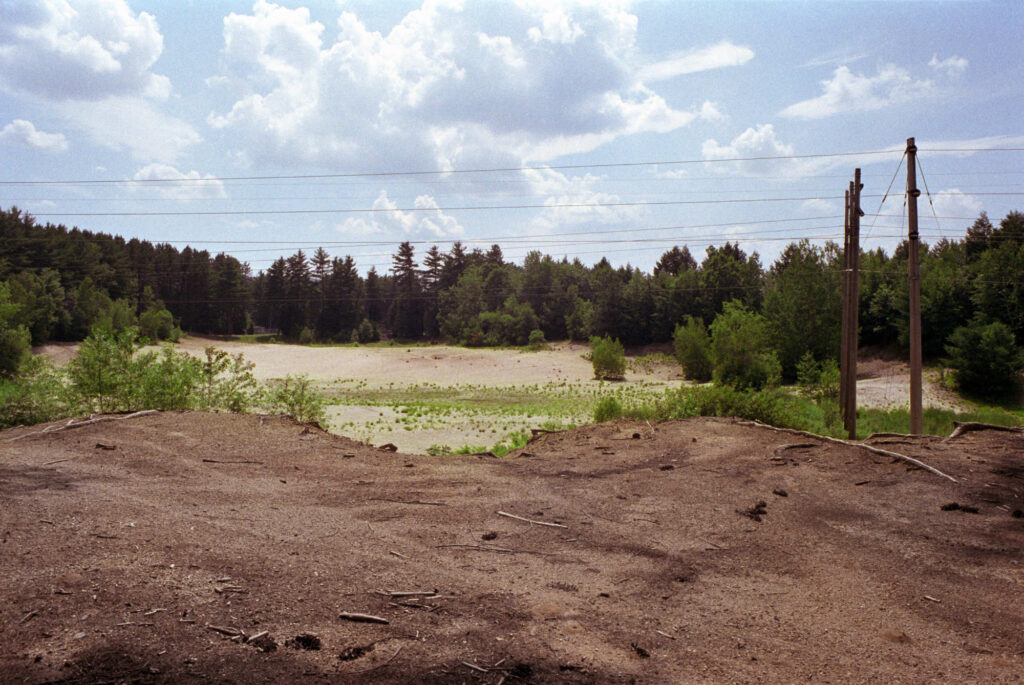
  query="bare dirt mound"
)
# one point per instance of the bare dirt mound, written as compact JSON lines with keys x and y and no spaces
{"x":160,"y":548}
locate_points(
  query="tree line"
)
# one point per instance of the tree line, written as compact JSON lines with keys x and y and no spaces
{"x":58,"y":283}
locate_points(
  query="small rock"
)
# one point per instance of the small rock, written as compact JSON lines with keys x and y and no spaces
{"x":780,"y":492}
{"x":489,"y":536}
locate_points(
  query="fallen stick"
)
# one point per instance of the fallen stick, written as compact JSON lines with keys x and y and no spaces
{"x":240,"y":461}
{"x":895,"y":455}
{"x":475,"y":667}
{"x":531,"y":521}
{"x":230,"y":632}
{"x":397,"y":554}
{"x":411,"y":593}
{"x":86,"y":422}
{"x":961,"y":427}
{"x":29,"y":615}
{"x":406,"y":501}
{"x":362,"y":618}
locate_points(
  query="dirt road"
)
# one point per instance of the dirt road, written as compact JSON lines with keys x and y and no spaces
{"x":692,"y":551}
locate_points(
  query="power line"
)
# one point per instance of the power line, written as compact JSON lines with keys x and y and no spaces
{"x":373,"y":174}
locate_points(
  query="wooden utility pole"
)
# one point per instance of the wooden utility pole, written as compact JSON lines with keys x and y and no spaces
{"x":844,"y":339}
{"x":851,"y":300}
{"x":913,"y":243}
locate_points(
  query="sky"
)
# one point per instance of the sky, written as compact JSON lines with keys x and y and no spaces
{"x":581,"y":129}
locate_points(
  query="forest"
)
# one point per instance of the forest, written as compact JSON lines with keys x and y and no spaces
{"x":58,"y":283}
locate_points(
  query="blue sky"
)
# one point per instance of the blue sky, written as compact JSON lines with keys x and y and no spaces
{"x":166,"y":102}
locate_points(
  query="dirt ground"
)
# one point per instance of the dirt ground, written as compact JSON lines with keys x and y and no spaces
{"x":142,"y":550}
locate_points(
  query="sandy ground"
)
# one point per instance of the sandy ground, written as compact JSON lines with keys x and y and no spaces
{"x":152,"y":549}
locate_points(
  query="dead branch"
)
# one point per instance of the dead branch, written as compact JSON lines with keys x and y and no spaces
{"x":362,"y":618}
{"x":406,"y":501}
{"x":794,"y":446}
{"x":397,"y":554}
{"x":239,"y":461}
{"x":230,"y":632}
{"x":28,"y":616}
{"x":961,"y":427}
{"x":886,"y":453}
{"x":475,"y":667}
{"x":531,"y":521}
{"x":86,"y":422}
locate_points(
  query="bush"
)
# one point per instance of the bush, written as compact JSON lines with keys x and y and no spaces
{"x":226,"y":382}
{"x":102,"y":374}
{"x":158,"y":324}
{"x":15,"y":346}
{"x":38,"y":393}
{"x":608,"y":358}
{"x":306,"y":336}
{"x":820,"y":382}
{"x":536,"y":341}
{"x":985,"y":359}
{"x":295,"y":395}
{"x":740,"y":350}
{"x":773,"y":406}
{"x":366,"y":332}
{"x":607,"y":409}
{"x":164,"y":380}
{"x":693,"y":350}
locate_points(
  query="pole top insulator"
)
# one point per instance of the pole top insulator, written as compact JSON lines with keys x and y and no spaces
{"x":915,"y":193}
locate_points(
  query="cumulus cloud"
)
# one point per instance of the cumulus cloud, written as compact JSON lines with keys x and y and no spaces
{"x":570,"y":201}
{"x":955,"y":202}
{"x":759,"y":141}
{"x":79,"y":49}
{"x":723,"y":54}
{"x":951,"y":66}
{"x":131,"y":124}
{"x":849,"y":92}
{"x":23,"y":133}
{"x":388,"y":219}
{"x":166,"y":181}
{"x":435,"y":91}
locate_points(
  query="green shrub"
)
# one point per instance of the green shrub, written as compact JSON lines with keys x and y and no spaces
{"x":985,"y":359}
{"x":163,"y":380}
{"x":295,"y":395}
{"x":740,"y":351}
{"x":366,"y":332}
{"x":608,"y":358}
{"x":693,"y":350}
{"x":38,"y":393}
{"x":157,"y":324}
{"x":536,"y":341}
{"x":15,"y":347}
{"x":306,"y":336}
{"x":820,"y":382}
{"x":226,"y":382}
{"x":607,"y":409}
{"x":773,"y":406}
{"x":103,"y":374}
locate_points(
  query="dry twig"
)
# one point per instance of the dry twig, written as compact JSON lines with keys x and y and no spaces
{"x":362,"y":618}
{"x":895,"y":455}
{"x":86,"y":422}
{"x":531,"y":521}
{"x":961,"y":427}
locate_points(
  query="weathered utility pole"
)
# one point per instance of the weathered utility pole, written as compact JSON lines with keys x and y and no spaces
{"x":851,"y":300}
{"x":913,"y":243}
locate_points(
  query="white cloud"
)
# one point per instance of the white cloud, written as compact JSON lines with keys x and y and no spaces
{"x":754,"y":142}
{"x":954,"y":202}
{"x":175,"y":185}
{"x":435,"y":91}
{"x":388,"y":219}
{"x":818,"y":206}
{"x":576,"y":195}
{"x":132,"y":124}
{"x":951,"y":66}
{"x":25,"y":134}
{"x":849,"y":92}
{"x":79,"y":49}
{"x":723,"y":54}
